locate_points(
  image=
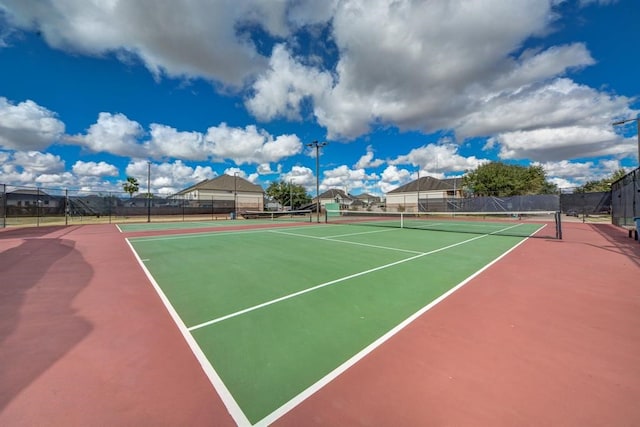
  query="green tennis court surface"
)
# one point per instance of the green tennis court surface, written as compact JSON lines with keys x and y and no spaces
{"x":276,"y":311}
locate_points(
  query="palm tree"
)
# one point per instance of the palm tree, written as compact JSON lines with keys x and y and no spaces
{"x":131,"y":186}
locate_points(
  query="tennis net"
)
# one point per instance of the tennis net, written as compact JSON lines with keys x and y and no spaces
{"x":523,"y":224}
{"x":288,"y":216}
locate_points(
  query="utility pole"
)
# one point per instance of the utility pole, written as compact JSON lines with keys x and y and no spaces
{"x":637,"y":120}
{"x":317,"y":145}
{"x":148,"y":191}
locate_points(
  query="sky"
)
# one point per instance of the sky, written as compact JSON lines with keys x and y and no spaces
{"x":95,"y":91}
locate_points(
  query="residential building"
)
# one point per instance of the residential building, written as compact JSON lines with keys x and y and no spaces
{"x":434,"y":195}
{"x":232,"y":191}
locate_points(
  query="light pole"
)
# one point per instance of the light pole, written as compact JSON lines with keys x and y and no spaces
{"x":317,"y":145}
{"x":148,"y":191}
{"x":418,"y":189}
{"x":637,"y":120}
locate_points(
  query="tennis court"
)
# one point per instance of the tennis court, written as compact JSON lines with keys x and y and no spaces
{"x":287,"y":323}
{"x":275,"y":313}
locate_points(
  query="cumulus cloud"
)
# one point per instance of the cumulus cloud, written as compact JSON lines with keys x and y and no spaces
{"x":117,"y":134}
{"x":27,"y":126}
{"x":100,"y":169}
{"x":279,"y":92}
{"x":567,"y":174}
{"x":168,"y":177}
{"x":368,"y":161}
{"x":37,"y":162}
{"x":178,"y":39}
{"x":249,"y":145}
{"x":169,"y":142}
{"x":113,"y":133}
{"x":438,"y":158}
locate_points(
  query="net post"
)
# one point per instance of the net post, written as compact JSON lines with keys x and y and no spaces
{"x":401,"y":219}
{"x":558,"y":225}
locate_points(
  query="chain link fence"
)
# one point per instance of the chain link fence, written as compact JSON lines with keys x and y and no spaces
{"x":625,"y":199}
{"x":38,"y":206}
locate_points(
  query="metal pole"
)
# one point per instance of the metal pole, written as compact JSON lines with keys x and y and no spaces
{"x":637,"y":120}
{"x":3,"y":197}
{"x":317,"y":145}
{"x":148,"y":191}
{"x":38,"y":207}
{"x":418,"y":191}
{"x":290,"y":195}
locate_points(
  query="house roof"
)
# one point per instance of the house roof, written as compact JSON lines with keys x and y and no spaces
{"x":428,"y":183}
{"x":224,"y":183}
{"x":366,"y":196}
{"x":29,"y":192}
{"x":332,"y":193}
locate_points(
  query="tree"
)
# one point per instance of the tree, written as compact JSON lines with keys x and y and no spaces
{"x":131,"y":186}
{"x":502,"y":180}
{"x":601,"y":185}
{"x":288,"y":194}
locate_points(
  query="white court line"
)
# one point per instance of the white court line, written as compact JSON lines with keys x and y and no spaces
{"x":332,"y":282}
{"x":232,"y":406}
{"x":314,"y":388}
{"x":225,"y":395}
{"x":359,"y":233}
{"x":212,"y":233}
{"x":329,"y":239}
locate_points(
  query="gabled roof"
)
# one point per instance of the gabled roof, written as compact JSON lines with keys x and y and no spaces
{"x":31,"y":192}
{"x":224,"y":183}
{"x":366,"y":196}
{"x":428,"y":183}
{"x":332,"y":193}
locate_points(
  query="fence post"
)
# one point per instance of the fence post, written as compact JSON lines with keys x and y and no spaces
{"x":3,"y":198}
{"x":66,"y":206}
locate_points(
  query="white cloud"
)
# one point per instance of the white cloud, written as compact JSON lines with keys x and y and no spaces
{"x":97,"y":169}
{"x":279,"y":92}
{"x":167,"y":178}
{"x":301,"y":175}
{"x":27,"y":126}
{"x":177,"y":38}
{"x":568,"y":174}
{"x":113,"y":133}
{"x":38,"y":163}
{"x":560,"y":143}
{"x":249,"y":145}
{"x":438,"y":158}
{"x":392,"y":178}
{"x":168,"y":142}
{"x":368,"y":161}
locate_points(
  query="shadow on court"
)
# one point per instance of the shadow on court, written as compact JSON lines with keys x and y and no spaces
{"x":39,"y":280}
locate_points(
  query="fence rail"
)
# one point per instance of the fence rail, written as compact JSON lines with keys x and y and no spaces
{"x":46,"y":206}
{"x":625,"y":199}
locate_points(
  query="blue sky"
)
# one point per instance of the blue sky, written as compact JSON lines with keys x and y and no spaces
{"x":90,"y":92}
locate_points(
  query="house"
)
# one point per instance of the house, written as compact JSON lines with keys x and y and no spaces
{"x":234,"y":192}
{"x":335,"y":195}
{"x":367,"y":200}
{"x":434,"y":195}
{"x":32,"y":200}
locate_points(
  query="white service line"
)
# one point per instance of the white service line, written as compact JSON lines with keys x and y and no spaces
{"x":329,"y":239}
{"x":332,"y":282}
{"x":232,"y":406}
{"x":314,"y":388}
